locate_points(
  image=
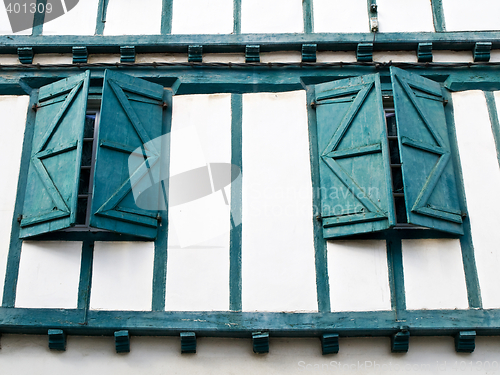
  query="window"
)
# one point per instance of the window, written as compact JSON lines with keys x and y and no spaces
{"x":357,"y":192}
{"x":61,"y":167}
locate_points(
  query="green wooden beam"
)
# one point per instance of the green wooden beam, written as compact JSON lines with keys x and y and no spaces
{"x":307,"y":13}
{"x":237,"y":16}
{"x":396,"y":275}
{"x":166,"y":17}
{"x":438,"y":15}
{"x":102,"y":9}
{"x":495,"y":123}
{"x":39,"y":18}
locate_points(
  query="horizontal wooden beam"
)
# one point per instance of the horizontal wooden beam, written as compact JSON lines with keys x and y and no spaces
{"x":237,"y":42}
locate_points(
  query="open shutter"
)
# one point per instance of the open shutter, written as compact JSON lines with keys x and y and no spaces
{"x":131,"y":118}
{"x":430,"y":188}
{"x":353,"y":157}
{"x":54,"y":171}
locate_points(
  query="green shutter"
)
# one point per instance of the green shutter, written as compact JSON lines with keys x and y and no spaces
{"x":353,"y":157}
{"x":131,"y":116}
{"x":54,"y":171}
{"x":430,"y":188}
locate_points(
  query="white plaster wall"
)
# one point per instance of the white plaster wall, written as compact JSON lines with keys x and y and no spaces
{"x":133,"y":17}
{"x":159,"y":57}
{"x":395,"y":56}
{"x":495,"y":55}
{"x":358,"y":274}
{"x":105,"y":58}
{"x":13,"y":110}
{"x":202,"y":17}
{"x":338,"y":16}
{"x":434,"y":275}
{"x":5,"y":28}
{"x":331,"y":56}
{"x":49,"y":274}
{"x":481,"y":181}
{"x":462,"y":15}
{"x":53,"y":58}
{"x":405,"y":16}
{"x":277,"y":245}
{"x":161,"y":355}
{"x":224,"y":57}
{"x":81,"y":20}
{"x":198,"y":242}
{"x":271,"y":16}
{"x":282,"y":57}
{"x":122,"y":276}
{"x":452,"y":56}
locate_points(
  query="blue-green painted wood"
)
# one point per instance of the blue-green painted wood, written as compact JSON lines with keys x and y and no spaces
{"x":161,"y":243}
{"x":236,"y":16}
{"x":465,"y":342}
{"x":235,"y":42}
{"x":400,"y":341}
{"x":466,"y":245}
{"x":396,"y":275}
{"x":39,"y":18}
{"x":85,"y":284}
{"x":57,"y":339}
{"x":320,"y":251}
{"x":102,"y":8}
{"x":188,"y":342}
{"x":131,"y":115}
{"x":354,"y":164}
{"x":235,"y":302}
{"x":122,"y":341}
{"x":166,"y":16}
{"x":14,"y":256}
{"x":307,"y":14}
{"x":431,"y":196}
{"x":243,"y":324}
{"x":52,"y":187}
{"x":495,"y":123}
{"x":438,"y":15}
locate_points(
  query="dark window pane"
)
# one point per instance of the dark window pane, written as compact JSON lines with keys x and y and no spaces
{"x":83,"y":187}
{"x":81,"y":211}
{"x":390,"y":118}
{"x":87,"y":154}
{"x":397,"y":180}
{"x":394,"y":151}
{"x":400,"y":210}
{"x":89,"y":126}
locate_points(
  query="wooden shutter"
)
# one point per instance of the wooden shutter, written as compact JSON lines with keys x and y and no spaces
{"x":131,"y":117}
{"x":353,"y":157}
{"x":54,"y":171}
{"x":430,"y":188}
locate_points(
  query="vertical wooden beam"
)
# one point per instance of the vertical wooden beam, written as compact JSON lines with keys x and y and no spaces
{"x":102,"y":9}
{"x":320,"y":254}
{"x":236,"y":16}
{"x":235,"y":303}
{"x":396,"y":275}
{"x":85,"y":284}
{"x":39,"y":18}
{"x":307,"y":14}
{"x":166,"y":17}
{"x":495,"y":123}
{"x":373,"y":15}
{"x":438,"y":15}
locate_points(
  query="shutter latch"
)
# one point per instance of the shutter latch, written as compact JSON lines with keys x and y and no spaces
{"x":19,"y":218}
{"x":158,"y":218}
{"x":313,"y":105}
{"x":164,"y":105}
{"x":35,"y":107}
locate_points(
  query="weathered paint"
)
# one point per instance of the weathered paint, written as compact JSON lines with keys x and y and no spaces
{"x":263,"y":16}
{"x":122,"y":276}
{"x":81,"y":20}
{"x":202,"y":17}
{"x":277,"y":246}
{"x":49,"y":274}
{"x":434,"y":274}
{"x":138,"y":17}
{"x":358,"y":274}
{"x":481,"y":175}
{"x":405,"y":16}
{"x":14,"y":108}
{"x":340,"y":16}
{"x":464,"y":15}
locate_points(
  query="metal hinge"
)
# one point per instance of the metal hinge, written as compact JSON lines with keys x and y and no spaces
{"x":164,"y":105}
{"x":35,"y":107}
{"x":19,"y":219}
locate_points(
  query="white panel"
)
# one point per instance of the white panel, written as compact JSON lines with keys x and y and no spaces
{"x":271,"y":16}
{"x":434,"y":274}
{"x":49,"y":274}
{"x":53,"y":58}
{"x":340,"y":16}
{"x":9,"y":59}
{"x":135,"y":17}
{"x":122,"y":276}
{"x":81,"y":20}
{"x":464,"y":15}
{"x":198,"y":242}
{"x":277,"y":244}
{"x":202,"y":17}
{"x":330,"y":56}
{"x":395,"y":56}
{"x":105,"y":58}
{"x":13,"y":110}
{"x":481,"y":181}
{"x":495,"y":55}
{"x":359,"y":279}
{"x":405,"y":16}
{"x":224,"y":57}
{"x":283,"y":57}
{"x":452,"y":56}
{"x":160,"y":57}
{"x":5,"y":28}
